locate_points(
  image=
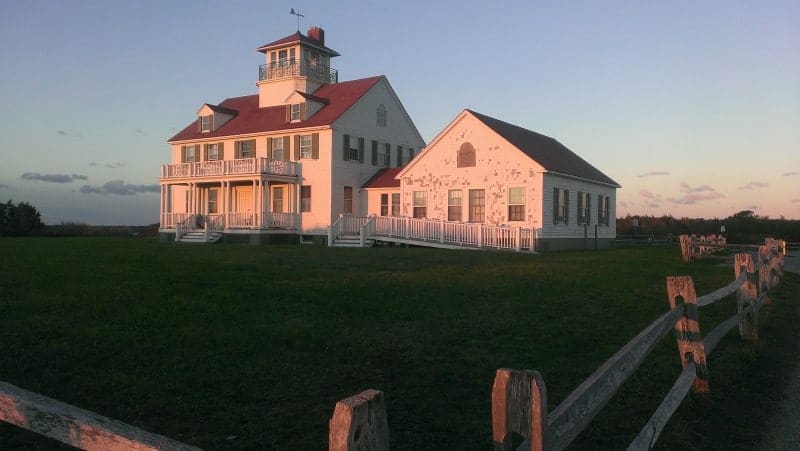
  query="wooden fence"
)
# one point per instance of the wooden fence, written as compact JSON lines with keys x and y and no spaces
{"x":694,"y":247}
{"x":519,"y":398}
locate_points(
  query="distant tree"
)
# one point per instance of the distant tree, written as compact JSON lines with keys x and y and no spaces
{"x":20,"y":219}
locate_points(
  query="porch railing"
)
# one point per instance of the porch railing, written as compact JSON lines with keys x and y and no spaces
{"x":190,"y":223}
{"x":230,"y":167}
{"x":169,"y":220}
{"x":293,"y":67}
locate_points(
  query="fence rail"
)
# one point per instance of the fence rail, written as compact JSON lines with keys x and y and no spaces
{"x":519,"y":397}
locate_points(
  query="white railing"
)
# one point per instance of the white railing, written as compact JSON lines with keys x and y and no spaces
{"x":334,"y":230}
{"x":453,"y":233}
{"x":240,"y":220}
{"x":168,"y":220}
{"x":230,"y":167}
{"x":213,"y":224}
{"x":279,"y":220}
{"x":184,"y":226}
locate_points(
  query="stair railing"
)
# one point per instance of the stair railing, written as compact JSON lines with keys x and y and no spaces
{"x":184,"y":226}
{"x":334,"y":230}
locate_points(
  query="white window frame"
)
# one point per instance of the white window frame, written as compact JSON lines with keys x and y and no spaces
{"x":205,"y":123}
{"x":451,"y":204}
{"x":385,"y":204}
{"x":277,"y":146}
{"x":305,"y":202}
{"x":381,"y":115}
{"x":420,"y":204}
{"x":295,"y":112}
{"x":347,"y":203}
{"x":516,"y":202}
{"x":306,"y":146}
{"x":395,"y":211}
{"x":194,"y":154}
{"x":213,"y":151}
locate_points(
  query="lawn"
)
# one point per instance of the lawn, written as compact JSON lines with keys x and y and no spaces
{"x":242,"y":347}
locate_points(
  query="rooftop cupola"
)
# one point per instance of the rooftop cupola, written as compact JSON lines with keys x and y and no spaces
{"x":296,"y":62}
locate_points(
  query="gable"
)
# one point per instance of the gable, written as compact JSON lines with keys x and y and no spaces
{"x":546,"y":151}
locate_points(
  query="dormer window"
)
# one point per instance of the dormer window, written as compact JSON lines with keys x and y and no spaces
{"x":295,"y":113}
{"x":381,"y":113}
{"x":206,"y":123}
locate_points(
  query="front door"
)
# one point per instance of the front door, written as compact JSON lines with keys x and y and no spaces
{"x":277,"y":199}
{"x":244,"y":201}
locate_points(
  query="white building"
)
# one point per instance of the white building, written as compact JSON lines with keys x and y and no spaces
{"x":284,"y":163}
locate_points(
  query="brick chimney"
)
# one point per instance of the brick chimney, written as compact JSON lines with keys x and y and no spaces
{"x":317,"y":34}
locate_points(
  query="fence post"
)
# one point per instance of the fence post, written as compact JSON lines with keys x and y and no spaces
{"x":518,"y":239}
{"x":359,"y":422}
{"x":747,"y":297}
{"x":519,"y":405}
{"x":480,"y":235}
{"x":686,"y":247}
{"x":687,"y":330}
{"x":441,"y":230}
{"x":764,"y":278}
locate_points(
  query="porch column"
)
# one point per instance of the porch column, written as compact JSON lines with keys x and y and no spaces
{"x":161,"y":208}
{"x":190,"y":200}
{"x":255,"y":203}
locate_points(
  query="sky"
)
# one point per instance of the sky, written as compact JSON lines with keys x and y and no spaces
{"x":693,"y":107}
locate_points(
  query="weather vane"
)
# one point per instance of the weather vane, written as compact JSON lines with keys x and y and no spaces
{"x":298,"y":14}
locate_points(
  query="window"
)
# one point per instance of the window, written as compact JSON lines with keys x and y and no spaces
{"x":277,"y":199}
{"x":477,"y":205}
{"x":212,"y":201}
{"x":381,"y":113}
{"x":347,"y":207}
{"x":306,"y":146}
{"x":516,"y":204}
{"x":190,"y":154}
{"x":278,"y":152}
{"x":560,"y":206}
{"x":212,"y":152}
{"x":353,"y":148}
{"x":295,"y":114}
{"x":305,"y":198}
{"x":395,"y":204}
{"x":466,"y":156}
{"x":602,"y":209}
{"x":379,"y":154}
{"x":584,"y":208}
{"x":454,"y":205}
{"x":384,"y":205}
{"x":420,"y":204}
{"x":206,"y":123}
{"x":246,"y":149}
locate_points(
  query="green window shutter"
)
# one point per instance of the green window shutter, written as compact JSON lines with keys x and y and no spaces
{"x":237,"y":149}
{"x":211,"y":123}
{"x":346,"y":147}
{"x":269,"y":149}
{"x":205,"y":152}
{"x":221,"y":150}
{"x":183,"y":154}
{"x":361,"y":150}
{"x":374,"y":152}
{"x":199,"y":124}
{"x":286,"y":147}
{"x":599,"y":208}
{"x":315,"y":145}
{"x":399,"y":155}
{"x":588,"y":208}
{"x":296,"y":147}
{"x":555,"y":205}
{"x":303,"y":111}
{"x":410,"y":154}
{"x":388,"y":158}
{"x":566,"y":206}
{"x":288,"y":113}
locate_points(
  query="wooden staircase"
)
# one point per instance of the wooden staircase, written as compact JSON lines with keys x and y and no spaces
{"x":351,"y":241}
{"x":198,"y":236}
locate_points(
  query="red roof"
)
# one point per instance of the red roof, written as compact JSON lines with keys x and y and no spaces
{"x":384,"y":178}
{"x":252,"y":119}
{"x":294,"y":39}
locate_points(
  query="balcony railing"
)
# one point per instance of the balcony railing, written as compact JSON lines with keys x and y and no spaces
{"x":290,"y":68}
{"x":241,"y":166}
{"x":231,"y":220}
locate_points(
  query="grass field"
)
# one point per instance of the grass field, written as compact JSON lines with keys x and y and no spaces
{"x":240,"y":347}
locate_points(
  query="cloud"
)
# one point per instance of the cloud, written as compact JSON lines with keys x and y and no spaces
{"x":119,"y":188}
{"x":795,"y":201}
{"x":752,"y":207}
{"x":62,"y":132}
{"x":790,"y":174}
{"x":647,"y":194}
{"x":113,"y":165}
{"x":653,"y":205}
{"x":693,"y":195}
{"x":139,"y":131}
{"x":754,"y":185}
{"x":623,"y":204}
{"x":53,"y":178}
{"x":4,"y":186}
{"x":652,"y":173}
{"x":92,"y":164}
